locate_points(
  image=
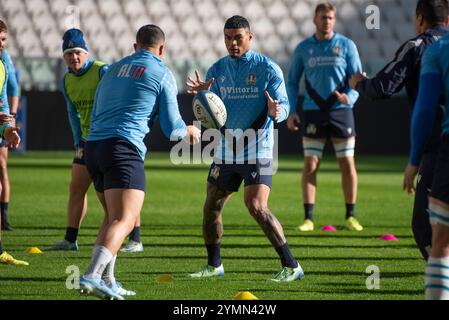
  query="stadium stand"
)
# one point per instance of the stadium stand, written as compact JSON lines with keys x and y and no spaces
{"x":193,"y":29}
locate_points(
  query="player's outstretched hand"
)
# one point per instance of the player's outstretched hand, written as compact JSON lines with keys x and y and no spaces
{"x":409,"y":178}
{"x":274,"y":110}
{"x":197,"y":84}
{"x":193,"y":135}
{"x":6,"y":118}
{"x":342,"y":97}
{"x":12,"y":136}
{"x":293,"y":122}
{"x":356,"y":78}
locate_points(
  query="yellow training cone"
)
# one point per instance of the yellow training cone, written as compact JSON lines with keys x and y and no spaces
{"x":33,"y":250}
{"x":245,"y":295}
{"x":164,"y":278}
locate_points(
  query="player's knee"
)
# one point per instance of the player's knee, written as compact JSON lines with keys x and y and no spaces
{"x":311,"y":165}
{"x":256,"y":207}
{"x":347,"y":165}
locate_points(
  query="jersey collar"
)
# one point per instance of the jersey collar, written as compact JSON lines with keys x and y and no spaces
{"x":244,"y":58}
{"x":143,"y":52}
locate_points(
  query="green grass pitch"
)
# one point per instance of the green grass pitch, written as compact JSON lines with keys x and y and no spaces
{"x":335,"y":263}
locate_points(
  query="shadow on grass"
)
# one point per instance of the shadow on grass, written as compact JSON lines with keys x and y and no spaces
{"x":29,"y":279}
{"x":273,"y":258}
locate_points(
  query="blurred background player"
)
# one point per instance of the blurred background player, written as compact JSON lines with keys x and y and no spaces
{"x":434,"y":78}
{"x":78,"y":86}
{"x":132,"y":93}
{"x":13,"y":93}
{"x":252,"y":163}
{"x":403,"y":71}
{"x":7,"y":131}
{"x":327,"y":60}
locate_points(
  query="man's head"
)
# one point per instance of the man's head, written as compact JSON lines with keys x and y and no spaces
{"x":74,"y":49}
{"x":150,"y":37}
{"x":324,"y":19}
{"x":238,"y":35}
{"x":430,"y":13}
{"x":3,"y":35}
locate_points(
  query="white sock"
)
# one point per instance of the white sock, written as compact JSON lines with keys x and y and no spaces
{"x":437,"y":279}
{"x":100,"y":258}
{"x":108,"y":274}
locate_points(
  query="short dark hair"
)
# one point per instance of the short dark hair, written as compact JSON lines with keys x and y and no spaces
{"x":433,"y":11}
{"x":237,"y":22}
{"x":3,"y":26}
{"x":325,"y":6}
{"x":150,"y":35}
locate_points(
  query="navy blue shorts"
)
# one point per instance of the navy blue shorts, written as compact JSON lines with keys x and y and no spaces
{"x":79,"y":157}
{"x":114,"y":164}
{"x":440,"y":187}
{"x":229,"y":177}
{"x":328,"y":124}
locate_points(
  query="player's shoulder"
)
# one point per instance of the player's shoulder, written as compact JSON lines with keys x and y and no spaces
{"x":440,"y":47}
{"x":266,"y":62}
{"x":345,"y":40}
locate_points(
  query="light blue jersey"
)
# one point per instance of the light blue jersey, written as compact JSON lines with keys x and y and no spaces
{"x":13,"y":89}
{"x":132,"y":93}
{"x":241,"y":83}
{"x":433,"y":83}
{"x":327,"y":66}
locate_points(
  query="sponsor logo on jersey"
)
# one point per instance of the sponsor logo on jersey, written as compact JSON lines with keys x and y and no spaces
{"x":251,"y":80}
{"x":336,"y":50}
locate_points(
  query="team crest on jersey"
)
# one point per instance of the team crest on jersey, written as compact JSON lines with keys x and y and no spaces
{"x":311,"y":129}
{"x":349,"y":130}
{"x":251,"y":80}
{"x":215,"y":172}
{"x":336,"y":50}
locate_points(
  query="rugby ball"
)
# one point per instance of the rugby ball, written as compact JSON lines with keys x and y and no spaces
{"x":209,"y":109}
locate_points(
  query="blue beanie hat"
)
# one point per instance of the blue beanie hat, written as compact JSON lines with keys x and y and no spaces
{"x":73,"y":39}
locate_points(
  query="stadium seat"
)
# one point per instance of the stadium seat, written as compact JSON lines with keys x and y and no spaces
{"x":229,"y":8}
{"x":278,"y":26}
{"x":134,"y":9}
{"x":253,"y":11}
{"x":12,"y":7}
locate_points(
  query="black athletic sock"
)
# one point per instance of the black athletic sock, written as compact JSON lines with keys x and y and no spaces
{"x":308,"y":211}
{"x":4,"y":211}
{"x":286,"y":256}
{"x":1,"y":248}
{"x":213,"y":254}
{"x":71,"y":234}
{"x":350,"y":210}
{"x":135,"y":234}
